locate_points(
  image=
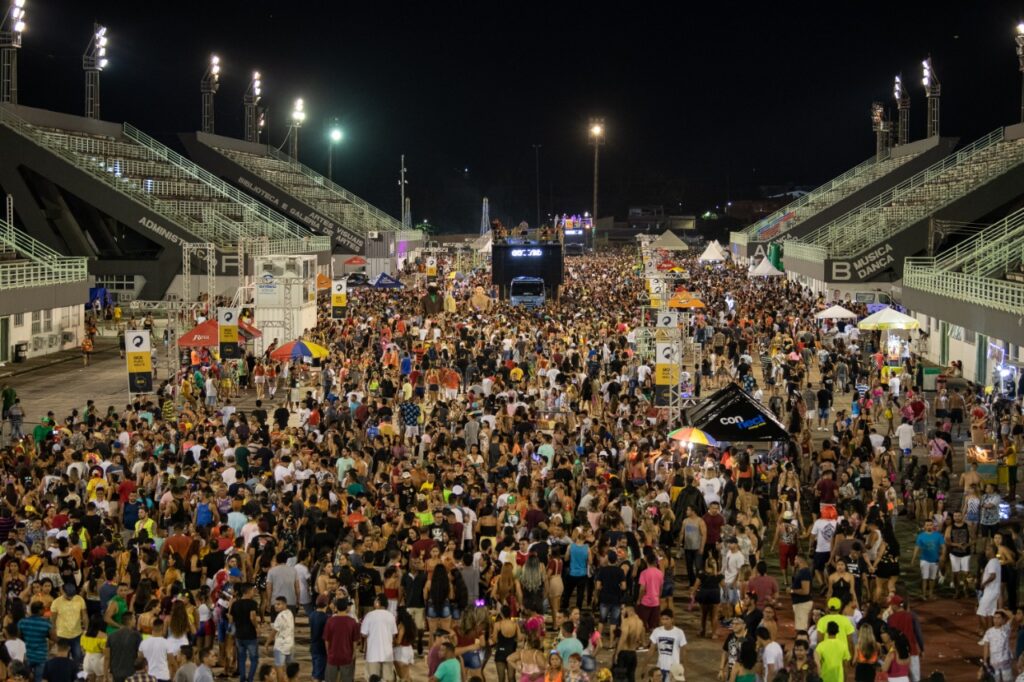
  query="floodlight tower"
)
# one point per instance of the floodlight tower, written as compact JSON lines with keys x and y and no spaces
{"x":12,"y":25}
{"x":94,"y":60}
{"x":334,"y":136}
{"x":932,"y":89}
{"x":596,"y":132}
{"x":903,"y":107}
{"x":298,"y":116}
{"x":209,"y":85}
{"x":881,"y":127}
{"x":250,"y":101}
{"x":1019,"y":38}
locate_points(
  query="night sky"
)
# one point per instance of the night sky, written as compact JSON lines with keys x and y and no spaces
{"x":702,"y":103}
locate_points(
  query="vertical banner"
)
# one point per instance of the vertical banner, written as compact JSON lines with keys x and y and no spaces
{"x":431,"y":266}
{"x":339,"y":298}
{"x":138,"y":353}
{"x":227,"y":333}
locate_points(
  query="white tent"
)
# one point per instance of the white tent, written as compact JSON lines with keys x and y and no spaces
{"x":712,"y":253}
{"x":482,"y":244}
{"x":888,"y":318}
{"x":669,"y":242}
{"x":836,"y":312}
{"x":766,"y":269}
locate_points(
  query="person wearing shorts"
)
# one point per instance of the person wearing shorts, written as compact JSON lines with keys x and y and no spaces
{"x":930,"y":545}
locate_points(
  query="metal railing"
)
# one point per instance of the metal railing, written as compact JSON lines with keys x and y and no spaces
{"x":281,"y":227}
{"x":368,"y":216}
{"x":44,"y":265}
{"x":998,"y":294}
{"x":992,"y":251}
{"x":739,"y":238}
{"x":25,"y":246}
{"x":915,"y":198}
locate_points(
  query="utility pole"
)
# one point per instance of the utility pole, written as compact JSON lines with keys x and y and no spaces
{"x":536,"y":156}
{"x":401,"y":184}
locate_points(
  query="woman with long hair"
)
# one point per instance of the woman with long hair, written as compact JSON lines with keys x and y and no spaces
{"x":505,"y":635}
{"x":437,"y":593}
{"x":529,"y":662}
{"x":180,"y":626}
{"x":897,"y":661}
{"x":533,"y":584}
{"x":554,"y":576}
{"x":865,"y":659}
{"x":554,"y":669}
{"x":93,"y":643}
{"x":707,"y":592}
{"x":407,"y":636}
{"x":505,"y":589}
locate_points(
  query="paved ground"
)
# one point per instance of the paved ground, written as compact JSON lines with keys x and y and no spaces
{"x":950,"y":627}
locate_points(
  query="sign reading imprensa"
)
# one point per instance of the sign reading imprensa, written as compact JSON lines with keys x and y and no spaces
{"x":138,"y":354}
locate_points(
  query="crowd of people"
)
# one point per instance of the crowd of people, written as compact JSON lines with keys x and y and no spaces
{"x":488,"y":492}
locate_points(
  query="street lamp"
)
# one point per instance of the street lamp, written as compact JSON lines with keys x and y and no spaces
{"x":903,"y":107}
{"x":94,"y":60}
{"x":334,"y":136}
{"x":209,"y":85}
{"x":251,"y":100}
{"x":12,"y":25}
{"x":1019,"y":38}
{"x":298,"y":116}
{"x":932,"y":89}
{"x":596,"y":131}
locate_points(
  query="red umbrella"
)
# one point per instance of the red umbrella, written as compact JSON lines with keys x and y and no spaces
{"x":205,"y":335}
{"x":666,"y":265}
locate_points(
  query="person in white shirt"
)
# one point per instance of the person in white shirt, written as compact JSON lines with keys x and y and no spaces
{"x":282,"y":636}
{"x":991,"y":585}
{"x":710,"y":486}
{"x":379,"y":628}
{"x":995,"y":646}
{"x":669,"y":644}
{"x":905,"y":436}
{"x":732,"y":562}
{"x":156,"y":650}
{"x":772,"y":658}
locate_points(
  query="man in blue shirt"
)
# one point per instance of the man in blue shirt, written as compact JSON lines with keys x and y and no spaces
{"x":37,"y":632}
{"x":929,"y":544}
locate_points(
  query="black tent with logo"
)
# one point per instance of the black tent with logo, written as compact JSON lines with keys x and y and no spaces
{"x":731,"y":414}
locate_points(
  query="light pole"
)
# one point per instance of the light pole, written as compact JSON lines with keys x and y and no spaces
{"x":402,"y":182}
{"x":11,"y":27}
{"x":536,"y":158}
{"x":1019,"y":38}
{"x":251,"y":100}
{"x":903,"y":109}
{"x":298,"y":116}
{"x":94,"y":60}
{"x":881,"y":128}
{"x":932,"y":89}
{"x":209,"y":86}
{"x":596,"y":132}
{"x":334,"y":136}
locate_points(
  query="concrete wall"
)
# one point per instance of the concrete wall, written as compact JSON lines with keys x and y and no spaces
{"x":64,"y":318}
{"x":963,"y":344}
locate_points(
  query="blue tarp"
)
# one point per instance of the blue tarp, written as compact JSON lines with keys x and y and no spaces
{"x":385,"y":281}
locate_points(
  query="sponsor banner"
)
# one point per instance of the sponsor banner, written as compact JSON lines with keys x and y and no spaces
{"x":339,"y":298}
{"x":432,"y":266}
{"x":227,"y":333}
{"x":139,"y":359}
{"x":667,"y":319}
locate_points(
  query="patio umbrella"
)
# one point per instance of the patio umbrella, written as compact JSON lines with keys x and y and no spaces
{"x":293,"y":350}
{"x":688,"y":434}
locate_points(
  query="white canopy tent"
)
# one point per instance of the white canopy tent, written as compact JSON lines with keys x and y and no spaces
{"x":888,"y":319}
{"x":669,"y":242}
{"x":766,"y":269}
{"x":712,"y":253}
{"x":482,"y":244}
{"x":836,"y":312}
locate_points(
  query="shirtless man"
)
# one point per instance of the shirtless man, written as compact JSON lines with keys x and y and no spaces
{"x":633,"y":637}
{"x":970,"y":477}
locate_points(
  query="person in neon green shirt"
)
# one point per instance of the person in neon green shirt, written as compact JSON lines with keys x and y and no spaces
{"x":832,"y":655}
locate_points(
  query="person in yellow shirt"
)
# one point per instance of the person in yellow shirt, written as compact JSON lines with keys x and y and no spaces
{"x":70,"y":619}
{"x":96,"y":481}
{"x":1010,"y":460}
{"x":145,"y":523}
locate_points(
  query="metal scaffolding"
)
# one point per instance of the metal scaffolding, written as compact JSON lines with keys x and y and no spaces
{"x":207,"y":254}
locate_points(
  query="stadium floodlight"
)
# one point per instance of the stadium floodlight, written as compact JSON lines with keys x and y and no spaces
{"x":902,"y":98}
{"x":94,"y":60}
{"x":1019,"y":39}
{"x":880,"y":124}
{"x":250,"y":102}
{"x":596,"y":130}
{"x":12,"y":25}
{"x":334,"y":136}
{"x":298,"y":116}
{"x":932,"y":89}
{"x":209,"y":86}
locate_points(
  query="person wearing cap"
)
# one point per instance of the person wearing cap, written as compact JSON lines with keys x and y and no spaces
{"x":787,"y":541}
{"x":843,"y":623}
{"x":70,"y":619}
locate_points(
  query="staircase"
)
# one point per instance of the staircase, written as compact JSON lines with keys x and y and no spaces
{"x":203,"y":206}
{"x":25,"y":262}
{"x":350,"y":211}
{"x":795,"y":212}
{"x":913,"y":200}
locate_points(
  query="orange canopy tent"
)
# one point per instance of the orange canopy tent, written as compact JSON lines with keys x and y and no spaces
{"x":355,"y":260}
{"x":205,"y":334}
{"x":684,"y":299}
{"x":323,"y":282}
